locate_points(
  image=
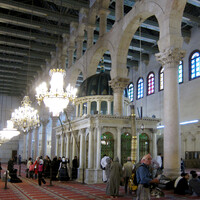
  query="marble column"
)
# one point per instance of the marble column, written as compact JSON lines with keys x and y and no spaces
{"x":44,"y":138}
{"x":88,"y":107}
{"x":53,"y":137}
{"x":82,"y":149}
{"x":98,"y":153}
{"x":119,"y":143}
{"x":57,"y":145}
{"x":79,"y":50}
{"x":170,"y":59}
{"x":70,"y":56}
{"x":62,"y":145}
{"x":81,"y":109}
{"x":25,"y":147}
{"x":30,"y":138}
{"x":68,"y":146}
{"x":154,"y":148}
{"x":103,"y":21}
{"x":119,"y":10}
{"x":91,"y":150}
{"x":74,"y":153}
{"x":90,"y":35}
{"x":99,"y":106}
{"x":36,"y":148}
{"x":109,"y":107}
{"x":77,"y":110}
{"x":118,"y":85}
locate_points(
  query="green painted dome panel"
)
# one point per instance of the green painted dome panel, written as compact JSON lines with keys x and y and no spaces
{"x":95,"y":85}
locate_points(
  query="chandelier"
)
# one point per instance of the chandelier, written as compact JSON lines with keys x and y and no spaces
{"x":56,"y":99}
{"x":25,"y":117}
{"x":8,"y":132}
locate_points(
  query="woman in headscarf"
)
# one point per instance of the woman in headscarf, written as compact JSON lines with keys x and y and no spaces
{"x":115,"y":177}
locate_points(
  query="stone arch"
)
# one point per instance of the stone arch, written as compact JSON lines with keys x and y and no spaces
{"x":72,"y":75}
{"x":96,"y":56}
{"x":139,"y":13}
{"x":170,"y":24}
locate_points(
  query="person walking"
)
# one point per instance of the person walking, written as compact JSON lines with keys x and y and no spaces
{"x":107,"y":172}
{"x":115,"y":177}
{"x":40,"y":173}
{"x":144,"y":179}
{"x":127,"y":172}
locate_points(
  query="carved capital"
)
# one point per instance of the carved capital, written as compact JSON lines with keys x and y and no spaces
{"x":170,"y":55}
{"x":118,"y":84}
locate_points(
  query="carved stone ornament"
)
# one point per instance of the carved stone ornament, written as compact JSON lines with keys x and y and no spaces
{"x":118,"y":84}
{"x":170,"y":55}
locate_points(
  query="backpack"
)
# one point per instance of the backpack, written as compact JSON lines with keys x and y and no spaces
{"x":132,"y":183}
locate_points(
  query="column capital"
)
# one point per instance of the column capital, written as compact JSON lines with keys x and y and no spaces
{"x":91,"y":26}
{"x":80,"y":38}
{"x":104,"y":11}
{"x":71,"y":48}
{"x":44,"y":121}
{"x":118,"y":84}
{"x":170,"y":55}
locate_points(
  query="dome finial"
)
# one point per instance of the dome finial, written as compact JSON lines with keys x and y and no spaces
{"x":102,"y":69}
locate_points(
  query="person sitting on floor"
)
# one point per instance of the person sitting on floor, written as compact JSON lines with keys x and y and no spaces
{"x":182,"y":186}
{"x":178,"y":179}
{"x":194,"y":184}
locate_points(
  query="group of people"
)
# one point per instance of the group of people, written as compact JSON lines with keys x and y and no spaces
{"x":187,"y":184}
{"x":114,"y":173}
{"x":56,"y":169}
{"x":146,"y":172}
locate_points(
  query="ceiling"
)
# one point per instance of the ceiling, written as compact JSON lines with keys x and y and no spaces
{"x":29,"y":31}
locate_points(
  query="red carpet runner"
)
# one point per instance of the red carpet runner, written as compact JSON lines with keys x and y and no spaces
{"x":29,"y":189}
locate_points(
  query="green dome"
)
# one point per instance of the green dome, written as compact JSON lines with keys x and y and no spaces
{"x":95,"y":85}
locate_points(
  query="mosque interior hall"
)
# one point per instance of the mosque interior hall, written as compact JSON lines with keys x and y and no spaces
{"x":87,"y":78}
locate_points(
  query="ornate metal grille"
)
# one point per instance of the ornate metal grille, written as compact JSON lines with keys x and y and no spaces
{"x":107,"y":144}
{"x":143,"y":145}
{"x":125,"y":147}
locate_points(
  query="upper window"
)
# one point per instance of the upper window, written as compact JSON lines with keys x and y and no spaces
{"x":140,"y":88}
{"x":150,"y":83}
{"x":161,"y":79}
{"x":194,"y":64}
{"x":180,"y":72}
{"x":130,"y":91}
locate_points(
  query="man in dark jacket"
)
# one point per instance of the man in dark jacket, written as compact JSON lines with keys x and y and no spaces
{"x":194,"y":184}
{"x":182,"y":186}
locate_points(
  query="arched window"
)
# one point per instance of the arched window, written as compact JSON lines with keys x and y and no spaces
{"x":161,"y":79}
{"x":140,"y":88}
{"x":180,"y":72}
{"x":150,"y":83}
{"x":143,"y":145}
{"x":194,"y":63}
{"x":130,"y":91}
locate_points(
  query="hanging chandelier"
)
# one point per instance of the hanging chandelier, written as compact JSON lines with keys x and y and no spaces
{"x":25,"y":117}
{"x":56,"y":99}
{"x":8,"y":132}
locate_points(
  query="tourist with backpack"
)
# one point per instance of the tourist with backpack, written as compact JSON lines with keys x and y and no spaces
{"x":144,"y":179}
